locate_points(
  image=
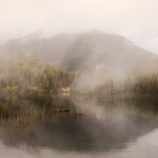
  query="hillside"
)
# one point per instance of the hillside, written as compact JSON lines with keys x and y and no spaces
{"x":95,"y":56}
{"x":21,"y":74}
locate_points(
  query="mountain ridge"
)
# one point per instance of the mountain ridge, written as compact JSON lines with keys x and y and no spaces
{"x":94,"y":55}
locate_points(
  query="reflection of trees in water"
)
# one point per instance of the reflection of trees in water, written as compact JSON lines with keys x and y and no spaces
{"x":145,"y":105}
{"x":38,"y":124}
{"x":21,"y":115}
{"x":19,"y":118}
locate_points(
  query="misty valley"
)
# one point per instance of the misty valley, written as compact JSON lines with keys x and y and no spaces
{"x":78,"y":95}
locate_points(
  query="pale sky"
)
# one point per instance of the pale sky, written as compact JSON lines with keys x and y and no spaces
{"x":137,"y":20}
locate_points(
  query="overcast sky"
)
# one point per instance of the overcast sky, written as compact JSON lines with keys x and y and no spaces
{"x":137,"y":20}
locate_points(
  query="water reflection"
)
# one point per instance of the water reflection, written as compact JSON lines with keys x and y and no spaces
{"x":76,"y":124}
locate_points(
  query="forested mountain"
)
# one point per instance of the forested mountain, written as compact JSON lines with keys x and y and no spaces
{"x":94,"y":56}
{"x":20,"y":73}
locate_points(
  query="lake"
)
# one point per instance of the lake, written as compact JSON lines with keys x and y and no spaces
{"x":79,"y":126}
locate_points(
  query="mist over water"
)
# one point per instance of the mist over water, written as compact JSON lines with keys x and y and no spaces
{"x":100,"y":127}
{"x":78,"y":95}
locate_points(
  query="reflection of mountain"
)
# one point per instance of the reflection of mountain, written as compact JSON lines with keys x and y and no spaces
{"x":93,"y":55}
{"x":65,"y":131}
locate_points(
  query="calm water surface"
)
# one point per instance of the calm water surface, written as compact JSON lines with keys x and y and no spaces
{"x":57,"y":127}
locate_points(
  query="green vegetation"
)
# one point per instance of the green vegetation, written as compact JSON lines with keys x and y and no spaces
{"x":23,"y":115}
{"x":144,"y":85}
{"x":23,"y":74}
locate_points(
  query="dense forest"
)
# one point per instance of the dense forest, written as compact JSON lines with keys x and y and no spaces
{"x":24,"y":74}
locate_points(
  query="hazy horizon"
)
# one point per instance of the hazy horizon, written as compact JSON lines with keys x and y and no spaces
{"x":133,"y":19}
